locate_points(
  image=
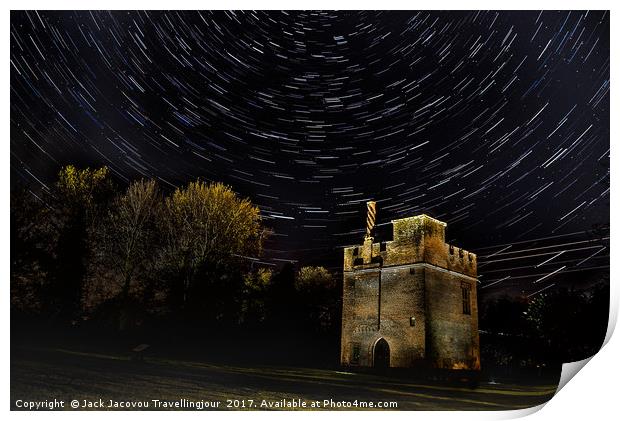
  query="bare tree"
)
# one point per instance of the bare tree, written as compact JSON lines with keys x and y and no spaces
{"x":127,"y":243}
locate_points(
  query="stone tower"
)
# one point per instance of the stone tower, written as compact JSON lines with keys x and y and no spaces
{"x":410,"y":302}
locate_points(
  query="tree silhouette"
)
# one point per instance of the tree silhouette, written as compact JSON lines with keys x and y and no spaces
{"x":79,"y":199}
{"x":126,"y":246}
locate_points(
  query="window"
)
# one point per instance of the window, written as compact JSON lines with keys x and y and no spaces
{"x":383,"y":246}
{"x":355,"y":251}
{"x":411,"y":271}
{"x":466,"y":292}
{"x":355,"y":353}
{"x":411,"y":321}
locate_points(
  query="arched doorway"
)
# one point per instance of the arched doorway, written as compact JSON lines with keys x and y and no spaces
{"x":381,"y":355}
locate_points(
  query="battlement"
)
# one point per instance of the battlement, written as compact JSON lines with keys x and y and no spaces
{"x":416,"y":239}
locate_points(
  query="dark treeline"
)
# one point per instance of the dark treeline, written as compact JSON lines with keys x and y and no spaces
{"x":539,"y":334}
{"x":138,"y":263}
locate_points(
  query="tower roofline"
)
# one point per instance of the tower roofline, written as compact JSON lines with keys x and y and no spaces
{"x":421,"y":216}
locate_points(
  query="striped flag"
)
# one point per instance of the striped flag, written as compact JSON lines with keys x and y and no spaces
{"x":370,"y":217}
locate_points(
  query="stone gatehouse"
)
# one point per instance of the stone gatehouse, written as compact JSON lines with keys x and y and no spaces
{"x":410,"y":302}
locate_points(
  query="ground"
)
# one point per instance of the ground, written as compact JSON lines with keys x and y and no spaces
{"x":43,"y":374}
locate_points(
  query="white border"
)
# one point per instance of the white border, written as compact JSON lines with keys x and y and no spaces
{"x":592,"y":395}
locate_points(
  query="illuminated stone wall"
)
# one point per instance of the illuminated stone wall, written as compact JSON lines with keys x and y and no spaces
{"x":409,"y":291}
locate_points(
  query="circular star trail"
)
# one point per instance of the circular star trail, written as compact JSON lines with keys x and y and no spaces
{"x":494,"y":122}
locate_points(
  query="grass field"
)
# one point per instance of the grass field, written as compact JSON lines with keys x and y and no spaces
{"x":44,"y":374}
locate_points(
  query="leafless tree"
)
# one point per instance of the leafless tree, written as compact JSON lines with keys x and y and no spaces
{"x":127,"y":243}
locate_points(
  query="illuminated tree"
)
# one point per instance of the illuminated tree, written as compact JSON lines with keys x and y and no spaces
{"x":257,"y":287}
{"x":208,"y":232}
{"x":317,"y":297}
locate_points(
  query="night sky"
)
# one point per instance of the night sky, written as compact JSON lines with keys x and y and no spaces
{"x":494,"y":122}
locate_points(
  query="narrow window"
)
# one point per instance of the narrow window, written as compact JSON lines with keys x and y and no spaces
{"x":466,"y":292}
{"x":355,"y":251}
{"x":411,"y":321}
{"x":411,"y":271}
{"x":355,"y":353}
{"x":383,"y":247}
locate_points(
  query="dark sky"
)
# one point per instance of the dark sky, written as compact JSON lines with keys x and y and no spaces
{"x":494,"y":122}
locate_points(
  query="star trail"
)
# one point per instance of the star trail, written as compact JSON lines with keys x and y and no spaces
{"x":495,"y":122}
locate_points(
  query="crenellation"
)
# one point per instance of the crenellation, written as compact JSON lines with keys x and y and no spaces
{"x":418,"y":239}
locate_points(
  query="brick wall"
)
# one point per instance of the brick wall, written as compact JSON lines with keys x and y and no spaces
{"x":452,"y":336}
{"x":421,"y":277}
